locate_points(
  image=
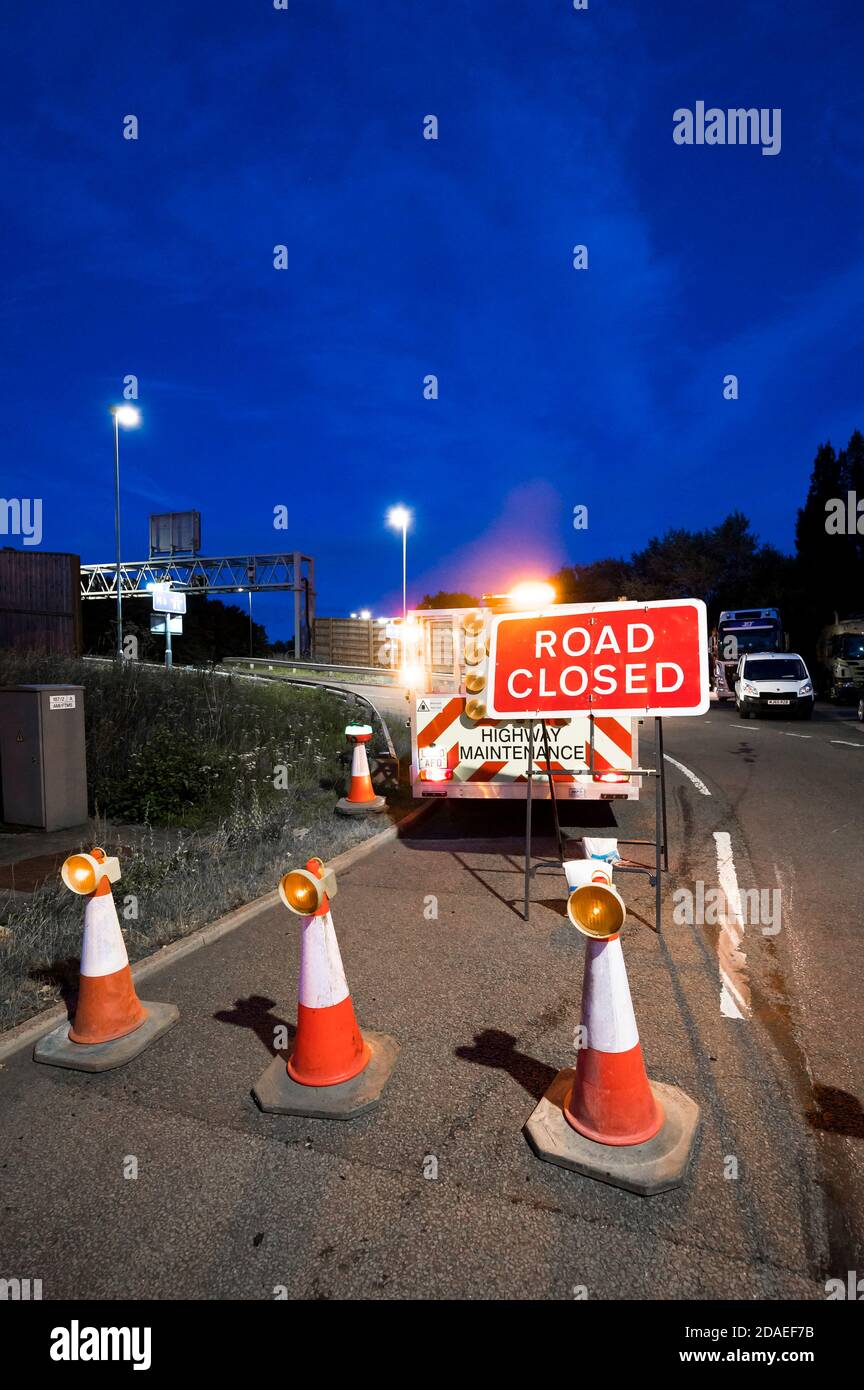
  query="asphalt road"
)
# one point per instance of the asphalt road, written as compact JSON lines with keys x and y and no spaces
{"x":436,"y":1193}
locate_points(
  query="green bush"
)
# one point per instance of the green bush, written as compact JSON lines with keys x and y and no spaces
{"x":170,"y":781}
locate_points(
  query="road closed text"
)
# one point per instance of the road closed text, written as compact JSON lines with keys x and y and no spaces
{"x":610,"y":661}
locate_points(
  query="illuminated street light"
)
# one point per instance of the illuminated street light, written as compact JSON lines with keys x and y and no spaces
{"x":400,"y":519}
{"x":128,"y":416}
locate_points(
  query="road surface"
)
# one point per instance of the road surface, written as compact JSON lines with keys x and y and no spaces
{"x":436,"y":1194}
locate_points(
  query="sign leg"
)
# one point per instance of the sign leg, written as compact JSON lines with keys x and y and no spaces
{"x":658,"y":821}
{"x":548,"y":756}
{"x":661,"y":764}
{"x":527,"y":912}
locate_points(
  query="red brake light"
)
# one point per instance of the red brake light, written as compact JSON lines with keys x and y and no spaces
{"x":611,"y":777}
{"x":436,"y":774}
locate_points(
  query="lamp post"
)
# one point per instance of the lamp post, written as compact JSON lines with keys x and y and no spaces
{"x":128,"y":416}
{"x":399,"y":518}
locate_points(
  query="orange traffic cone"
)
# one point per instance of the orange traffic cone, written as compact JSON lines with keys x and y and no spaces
{"x":611,"y":1100}
{"x":605,"y":1118}
{"x":333,"y":1071}
{"x":361,"y":798}
{"x":108,"y":1006}
{"x":108,"y":1009}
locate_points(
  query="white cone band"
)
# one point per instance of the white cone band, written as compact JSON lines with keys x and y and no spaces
{"x":322,"y":978}
{"x":104,"y":950}
{"x":359,"y":761}
{"x":607,"y":1009}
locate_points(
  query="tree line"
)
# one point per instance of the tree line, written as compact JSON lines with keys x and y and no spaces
{"x":729,"y":567}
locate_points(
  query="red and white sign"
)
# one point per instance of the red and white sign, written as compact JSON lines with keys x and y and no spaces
{"x":606,"y":658}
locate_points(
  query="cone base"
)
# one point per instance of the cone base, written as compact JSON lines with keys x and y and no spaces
{"x":655,"y":1166}
{"x":360,"y":808}
{"x":57,"y":1050}
{"x":277,"y":1093}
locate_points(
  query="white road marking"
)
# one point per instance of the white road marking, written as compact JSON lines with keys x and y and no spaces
{"x":698,"y":784}
{"x":845,"y":743}
{"x":787,"y":733}
{"x":734,"y":985}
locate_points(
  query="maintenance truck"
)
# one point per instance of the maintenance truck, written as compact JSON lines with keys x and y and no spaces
{"x":441,"y":656}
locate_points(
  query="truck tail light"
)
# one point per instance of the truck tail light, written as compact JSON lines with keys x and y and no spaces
{"x":436,"y":774}
{"x":610,"y":777}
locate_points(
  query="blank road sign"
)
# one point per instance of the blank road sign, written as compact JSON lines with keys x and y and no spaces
{"x":606,"y":658}
{"x":158,"y":621}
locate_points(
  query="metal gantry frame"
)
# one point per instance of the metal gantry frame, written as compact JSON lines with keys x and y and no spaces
{"x":660,"y":841}
{"x":224,"y":574}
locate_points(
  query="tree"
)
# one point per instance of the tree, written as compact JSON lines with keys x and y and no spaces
{"x":211,"y":630}
{"x":830,"y":557}
{"x":444,"y":600}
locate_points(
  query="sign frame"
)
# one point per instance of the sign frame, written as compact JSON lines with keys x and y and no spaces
{"x":583,"y":704}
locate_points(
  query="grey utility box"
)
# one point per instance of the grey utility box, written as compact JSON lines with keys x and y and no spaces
{"x":44,"y":764}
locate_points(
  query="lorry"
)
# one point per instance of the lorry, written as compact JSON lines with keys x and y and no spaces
{"x":738,"y":631}
{"x":457,"y":751}
{"x":840,"y":658}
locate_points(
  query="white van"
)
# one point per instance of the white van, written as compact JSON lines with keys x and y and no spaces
{"x":773,"y":682}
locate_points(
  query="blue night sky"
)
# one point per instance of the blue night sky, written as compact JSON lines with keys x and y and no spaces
{"x":303,"y":387}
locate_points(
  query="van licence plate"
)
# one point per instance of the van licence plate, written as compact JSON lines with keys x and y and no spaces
{"x":778,"y":702}
{"x":432,"y":758}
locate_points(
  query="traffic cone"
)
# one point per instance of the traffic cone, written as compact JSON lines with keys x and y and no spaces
{"x":611,"y":1100}
{"x":111,"y":1024}
{"x":333,"y":1071}
{"x":605,"y":1118}
{"x":361,"y":798}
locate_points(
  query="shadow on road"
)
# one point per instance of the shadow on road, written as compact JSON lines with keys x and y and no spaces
{"x":493,"y":1048}
{"x":254,"y":1013}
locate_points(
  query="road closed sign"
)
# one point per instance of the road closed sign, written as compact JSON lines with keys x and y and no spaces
{"x":606,"y":658}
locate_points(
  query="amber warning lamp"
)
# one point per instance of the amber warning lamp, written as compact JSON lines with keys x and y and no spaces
{"x":594,"y":907}
{"x":82,"y":873}
{"x":307,"y":891}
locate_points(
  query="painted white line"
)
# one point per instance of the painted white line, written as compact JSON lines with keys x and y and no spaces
{"x":734,"y":984}
{"x":845,"y":743}
{"x":787,"y":734}
{"x":699,"y":785}
{"x":749,"y":727}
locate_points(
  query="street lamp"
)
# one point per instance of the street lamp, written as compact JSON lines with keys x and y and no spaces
{"x":128,"y":416}
{"x":400,"y":518}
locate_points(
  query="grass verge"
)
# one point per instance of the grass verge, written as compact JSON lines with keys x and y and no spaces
{"x":228,"y":783}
